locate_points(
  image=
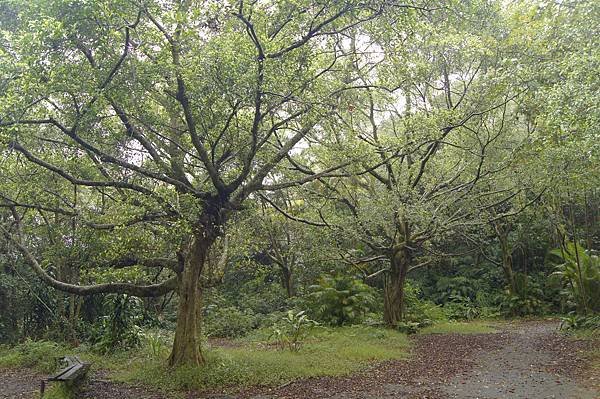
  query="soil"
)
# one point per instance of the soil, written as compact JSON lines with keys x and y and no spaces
{"x":522,"y":360}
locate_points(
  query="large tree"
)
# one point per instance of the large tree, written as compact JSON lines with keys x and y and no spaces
{"x":168,"y":113}
{"x":441,"y":130}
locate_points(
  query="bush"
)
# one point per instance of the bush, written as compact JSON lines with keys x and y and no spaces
{"x":419,"y":311}
{"x":120,"y":329}
{"x":448,"y":288}
{"x":462,"y":308}
{"x":527,"y":300}
{"x":40,"y":355}
{"x":291,"y":331}
{"x":228,"y":321}
{"x":578,"y":322}
{"x":340,"y":300}
{"x":579,"y":272}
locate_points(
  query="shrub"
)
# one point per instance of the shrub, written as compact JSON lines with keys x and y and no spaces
{"x":462,"y":308}
{"x":526,"y":300}
{"x":40,"y":355}
{"x":419,"y":311}
{"x":448,"y":288}
{"x":228,"y":321}
{"x":292,"y":330}
{"x":340,"y":300}
{"x":120,"y":329}
{"x":579,"y":272}
{"x":578,"y":322}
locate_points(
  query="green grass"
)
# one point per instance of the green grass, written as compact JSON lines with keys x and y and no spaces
{"x":328,"y":352}
{"x":58,"y":391}
{"x":42,"y":356}
{"x":251,"y":361}
{"x":473,"y":327}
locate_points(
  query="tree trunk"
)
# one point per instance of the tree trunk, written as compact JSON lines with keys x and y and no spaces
{"x":393,"y":310}
{"x":287,"y":281}
{"x":186,"y":347}
{"x":507,"y":261}
{"x":508,"y":271}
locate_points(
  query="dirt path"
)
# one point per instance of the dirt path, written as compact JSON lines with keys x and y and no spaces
{"x":523,"y":360}
{"x":19,"y":384}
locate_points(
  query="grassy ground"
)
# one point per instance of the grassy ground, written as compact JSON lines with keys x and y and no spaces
{"x":245,"y":362}
{"x":473,"y":327}
{"x":326,"y":352}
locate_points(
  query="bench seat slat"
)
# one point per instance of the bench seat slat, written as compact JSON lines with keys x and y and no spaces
{"x":61,"y":373}
{"x":72,"y":373}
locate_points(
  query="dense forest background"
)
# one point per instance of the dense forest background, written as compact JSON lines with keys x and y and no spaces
{"x":177,"y":170}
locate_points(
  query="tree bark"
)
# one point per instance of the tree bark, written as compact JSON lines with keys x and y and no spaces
{"x":508,"y":270}
{"x":395,"y":279}
{"x":186,"y":349}
{"x":287,"y":280}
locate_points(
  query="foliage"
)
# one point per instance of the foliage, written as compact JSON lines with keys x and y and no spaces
{"x":454,"y":289}
{"x":527,"y":300}
{"x":580,"y":275}
{"x":419,"y":312}
{"x":228,"y":321}
{"x":453,"y":145}
{"x":120,"y":329}
{"x":40,"y":355}
{"x":340,"y":300}
{"x":461,"y":307}
{"x":575,"y":321}
{"x":24,"y":303}
{"x":292,"y":330}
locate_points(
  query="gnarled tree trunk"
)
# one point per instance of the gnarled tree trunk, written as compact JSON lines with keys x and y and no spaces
{"x":393,"y":311}
{"x":186,"y":347}
{"x":287,"y":281}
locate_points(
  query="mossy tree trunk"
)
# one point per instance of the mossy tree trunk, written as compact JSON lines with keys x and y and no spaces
{"x":287,"y":280}
{"x":186,"y":346}
{"x":502,"y":232}
{"x":395,"y":279}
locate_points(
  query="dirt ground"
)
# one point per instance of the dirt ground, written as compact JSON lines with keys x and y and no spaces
{"x":522,"y":360}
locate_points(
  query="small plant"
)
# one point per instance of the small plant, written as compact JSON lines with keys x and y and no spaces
{"x":579,"y":272}
{"x":409,"y":327}
{"x":462,"y":308}
{"x":119,"y":330}
{"x":292,"y":331}
{"x":341,"y":300}
{"x":526,"y":300}
{"x":156,"y":343}
{"x":574,"y":321}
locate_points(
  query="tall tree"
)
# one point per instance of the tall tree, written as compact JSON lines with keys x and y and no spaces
{"x":170,"y":113}
{"x":441,"y":131}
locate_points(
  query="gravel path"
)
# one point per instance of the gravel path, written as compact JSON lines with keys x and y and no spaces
{"x":19,"y":384}
{"x":528,"y":360}
{"x":526,"y":367}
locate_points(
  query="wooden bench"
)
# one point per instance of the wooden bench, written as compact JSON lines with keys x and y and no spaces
{"x":74,"y":372}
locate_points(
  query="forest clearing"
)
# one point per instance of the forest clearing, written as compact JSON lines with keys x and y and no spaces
{"x":492,"y":360}
{"x":299,"y":199}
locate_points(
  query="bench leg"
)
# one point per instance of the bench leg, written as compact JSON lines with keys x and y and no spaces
{"x":42,"y":389}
